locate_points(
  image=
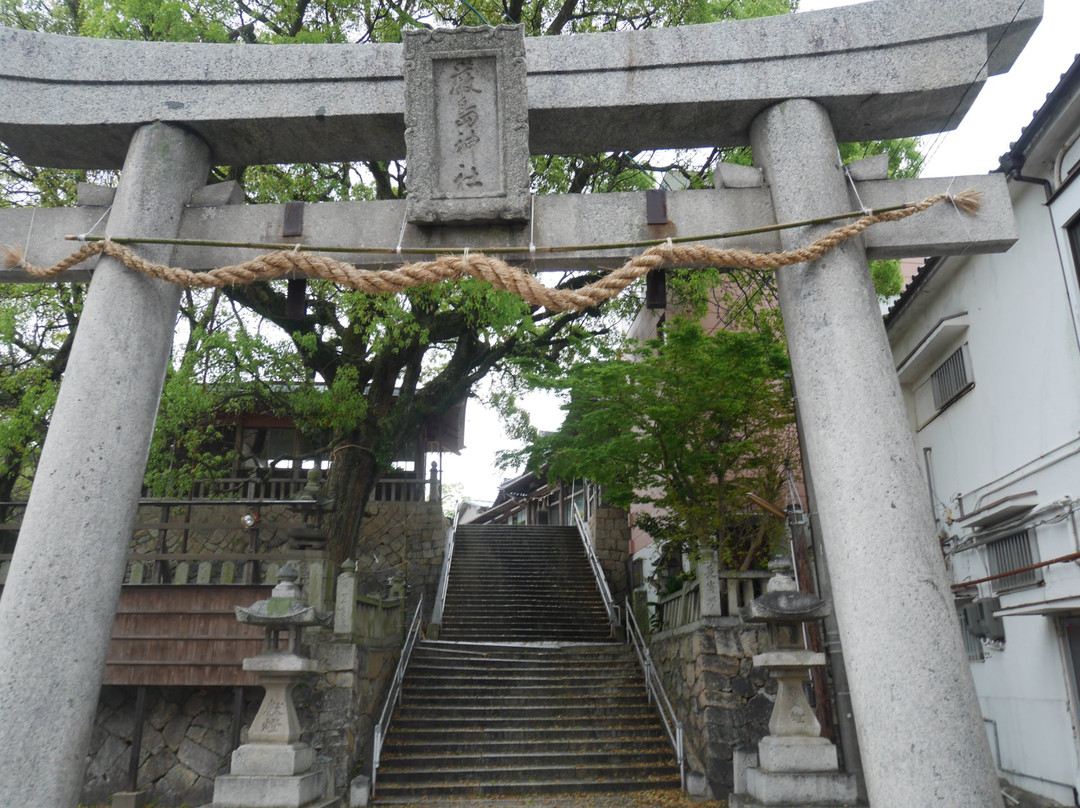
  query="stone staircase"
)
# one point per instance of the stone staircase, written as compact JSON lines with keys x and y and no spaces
{"x":524,"y":692}
{"x":522,"y":584}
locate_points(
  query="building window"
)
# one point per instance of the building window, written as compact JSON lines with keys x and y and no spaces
{"x":1013,"y":552}
{"x":952,"y":378}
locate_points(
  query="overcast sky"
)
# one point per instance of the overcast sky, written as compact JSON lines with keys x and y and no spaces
{"x":1005,"y":105}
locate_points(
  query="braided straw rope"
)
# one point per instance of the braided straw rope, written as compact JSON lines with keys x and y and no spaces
{"x":477,"y":265}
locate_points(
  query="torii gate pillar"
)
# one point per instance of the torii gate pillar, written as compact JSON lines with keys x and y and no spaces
{"x":902,"y":645}
{"x":73,"y":543}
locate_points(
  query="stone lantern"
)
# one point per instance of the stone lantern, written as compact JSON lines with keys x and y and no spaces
{"x":311,"y":503}
{"x":274,"y":769}
{"x":794,"y":765}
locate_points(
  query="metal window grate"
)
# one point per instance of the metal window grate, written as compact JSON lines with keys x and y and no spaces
{"x":1011,"y":553}
{"x":950,"y":379}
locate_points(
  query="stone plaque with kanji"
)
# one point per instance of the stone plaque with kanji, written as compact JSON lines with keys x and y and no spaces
{"x":467,"y":128}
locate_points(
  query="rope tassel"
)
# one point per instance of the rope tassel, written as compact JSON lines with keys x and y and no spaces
{"x":477,"y":265}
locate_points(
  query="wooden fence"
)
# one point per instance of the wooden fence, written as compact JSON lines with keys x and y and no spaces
{"x":684,"y":607}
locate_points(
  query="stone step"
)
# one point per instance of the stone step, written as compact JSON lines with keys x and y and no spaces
{"x":522,"y":622}
{"x":522,"y":677}
{"x":537,"y":699}
{"x":393,"y":794}
{"x":555,"y":742}
{"x":507,"y":592}
{"x":481,"y":713}
{"x":548,"y":772}
{"x":524,"y":636}
{"x":484,"y":759}
{"x":524,"y":693}
{"x":504,"y":670}
{"x":645,"y":731}
{"x":553,"y":606}
{"x":498,"y":726}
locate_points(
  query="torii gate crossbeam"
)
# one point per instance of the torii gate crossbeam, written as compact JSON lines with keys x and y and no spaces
{"x":790,"y":86}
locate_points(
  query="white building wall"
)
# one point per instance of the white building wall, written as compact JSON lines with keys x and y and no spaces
{"x":1016,"y":430}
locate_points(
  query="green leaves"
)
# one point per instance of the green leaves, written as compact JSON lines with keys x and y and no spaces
{"x":687,"y":423}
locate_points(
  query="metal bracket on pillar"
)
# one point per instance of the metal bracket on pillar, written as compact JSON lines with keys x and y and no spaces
{"x":293,"y":227}
{"x":656,"y":281}
{"x":656,"y":206}
{"x":656,"y":289}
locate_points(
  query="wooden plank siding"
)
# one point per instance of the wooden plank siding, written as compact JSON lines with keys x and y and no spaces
{"x":183,"y":636}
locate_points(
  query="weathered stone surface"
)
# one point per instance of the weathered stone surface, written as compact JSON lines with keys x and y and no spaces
{"x":796,"y":754}
{"x":178,"y":782}
{"x":161,"y":713}
{"x":586,"y":93}
{"x":259,"y":792}
{"x":199,"y":759}
{"x":574,"y":219}
{"x":272,"y":759}
{"x":467,"y":127}
{"x":158,"y":765}
{"x":802,"y":788}
{"x":175,"y":730}
{"x":847,"y":387}
{"x":723,"y":664}
{"x":718,"y":705}
{"x":119,"y":355}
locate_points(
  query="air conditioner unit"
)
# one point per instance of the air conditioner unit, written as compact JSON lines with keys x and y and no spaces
{"x":993,"y":627}
{"x":980,"y":620}
{"x":973,"y":619}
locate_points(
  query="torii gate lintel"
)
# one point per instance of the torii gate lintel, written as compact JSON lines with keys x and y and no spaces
{"x":585,"y":94}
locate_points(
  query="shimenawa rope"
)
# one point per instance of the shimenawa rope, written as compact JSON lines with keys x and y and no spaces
{"x":477,"y":265}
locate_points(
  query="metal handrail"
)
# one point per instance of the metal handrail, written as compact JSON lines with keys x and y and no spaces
{"x":598,"y":572}
{"x":393,"y":696}
{"x":444,"y":577}
{"x":654,"y":688}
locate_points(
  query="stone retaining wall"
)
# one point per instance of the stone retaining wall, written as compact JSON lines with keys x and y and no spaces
{"x":404,"y":541}
{"x":722,"y":700}
{"x":187,"y":734}
{"x":610,"y":531}
{"x":339,"y":707}
{"x":186,"y":742}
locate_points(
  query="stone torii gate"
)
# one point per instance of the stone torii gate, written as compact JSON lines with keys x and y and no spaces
{"x":789,"y":86}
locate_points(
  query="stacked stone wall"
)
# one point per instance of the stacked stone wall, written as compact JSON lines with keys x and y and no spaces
{"x":187,"y":732}
{"x":722,"y":700}
{"x":610,"y":531}
{"x":273,"y":523}
{"x":186,"y":742}
{"x":402,"y":541}
{"x":338,"y":707}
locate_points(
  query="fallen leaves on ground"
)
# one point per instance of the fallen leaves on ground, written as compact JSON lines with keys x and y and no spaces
{"x":656,"y":798}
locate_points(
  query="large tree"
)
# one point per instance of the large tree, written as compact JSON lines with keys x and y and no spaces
{"x":684,"y":425}
{"x":363,"y":372}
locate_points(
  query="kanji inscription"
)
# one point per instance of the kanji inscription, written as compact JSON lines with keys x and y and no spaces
{"x":467,"y":125}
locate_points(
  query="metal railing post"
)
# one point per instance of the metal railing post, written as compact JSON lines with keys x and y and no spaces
{"x":395,"y":695}
{"x":655,"y":692}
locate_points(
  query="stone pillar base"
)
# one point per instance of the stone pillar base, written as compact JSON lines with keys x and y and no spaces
{"x":791,"y":788}
{"x":306,"y":790}
{"x":253,"y":782}
{"x":129,"y":799}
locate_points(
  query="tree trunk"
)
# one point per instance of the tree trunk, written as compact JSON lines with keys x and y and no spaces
{"x":352,"y":476}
